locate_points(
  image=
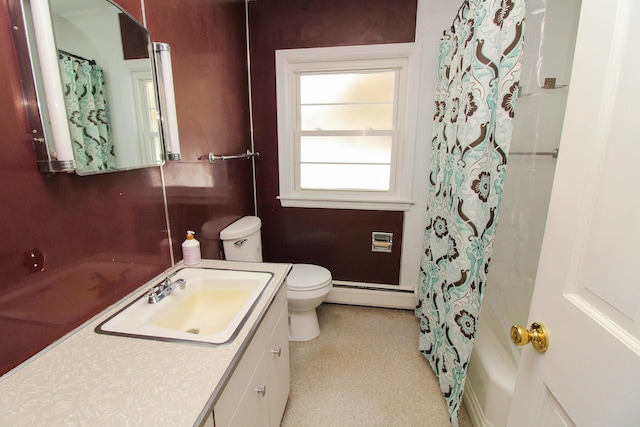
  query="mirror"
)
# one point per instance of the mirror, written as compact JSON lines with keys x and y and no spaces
{"x":105,"y":73}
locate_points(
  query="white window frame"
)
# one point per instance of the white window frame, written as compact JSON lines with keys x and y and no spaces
{"x":290,"y":62}
{"x":150,"y":146}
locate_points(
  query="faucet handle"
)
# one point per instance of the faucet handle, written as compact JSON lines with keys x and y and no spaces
{"x":155,"y":294}
{"x":182,"y":283}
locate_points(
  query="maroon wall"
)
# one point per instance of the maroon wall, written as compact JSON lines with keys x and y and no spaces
{"x":103,"y":236}
{"x":337,"y":239}
{"x":208,"y":48}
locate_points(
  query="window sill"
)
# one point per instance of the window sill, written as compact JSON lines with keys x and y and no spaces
{"x":356,"y":204}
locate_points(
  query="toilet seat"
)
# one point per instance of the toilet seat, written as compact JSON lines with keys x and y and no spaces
{"x":307,"y":277}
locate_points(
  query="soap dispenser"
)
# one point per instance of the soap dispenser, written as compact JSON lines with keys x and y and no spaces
{"x":191,"y":249}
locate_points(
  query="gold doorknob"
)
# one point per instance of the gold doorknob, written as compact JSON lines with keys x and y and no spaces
{"x":537,"y":335}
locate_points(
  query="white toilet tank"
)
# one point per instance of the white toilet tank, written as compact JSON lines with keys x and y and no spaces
{"x":241,"y":240}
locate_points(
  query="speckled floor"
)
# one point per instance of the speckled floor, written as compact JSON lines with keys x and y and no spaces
{"x":364,"y":370}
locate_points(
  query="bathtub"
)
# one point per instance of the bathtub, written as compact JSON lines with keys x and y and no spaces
{"x":491,"y":379}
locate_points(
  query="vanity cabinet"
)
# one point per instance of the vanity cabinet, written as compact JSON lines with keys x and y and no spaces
{"x":258,"y":389}
{"x":205,"y":385}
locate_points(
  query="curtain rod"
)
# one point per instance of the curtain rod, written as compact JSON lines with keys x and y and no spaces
{"x":91,"y":61}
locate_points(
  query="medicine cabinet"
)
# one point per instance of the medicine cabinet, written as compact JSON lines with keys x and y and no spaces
{"x":104,"y":112}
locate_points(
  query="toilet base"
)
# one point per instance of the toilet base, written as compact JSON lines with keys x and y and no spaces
{"x":303,"y":325}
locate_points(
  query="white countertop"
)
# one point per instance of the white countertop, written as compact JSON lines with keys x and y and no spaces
{"x":100,"y":380}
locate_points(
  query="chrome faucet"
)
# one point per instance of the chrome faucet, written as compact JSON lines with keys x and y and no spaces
{"x":158,"y":292}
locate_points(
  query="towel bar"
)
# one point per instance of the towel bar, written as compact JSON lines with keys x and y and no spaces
{"x":212,"y":158}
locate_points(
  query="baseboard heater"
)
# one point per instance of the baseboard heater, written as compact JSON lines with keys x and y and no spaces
{"x":372,"y":295}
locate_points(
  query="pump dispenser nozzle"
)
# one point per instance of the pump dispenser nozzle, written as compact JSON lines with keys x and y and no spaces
{"x":191,"y":249}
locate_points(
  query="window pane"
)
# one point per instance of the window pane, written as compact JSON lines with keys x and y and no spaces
{"x":350,"y":87}
{"x":346,"y":149}
{"x":344,"y":177}
{"x":150,"y":95}
{"x":347,"y":117}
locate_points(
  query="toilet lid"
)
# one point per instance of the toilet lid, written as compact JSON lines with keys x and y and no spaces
{"x":307,"y":277}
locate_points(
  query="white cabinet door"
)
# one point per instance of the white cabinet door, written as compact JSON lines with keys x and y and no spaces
{"x":257,"y":391}
{"x":264,"y":399}
{"x":277,"y":368}
{"x":253,"y":407}
{"x":587,"y":291}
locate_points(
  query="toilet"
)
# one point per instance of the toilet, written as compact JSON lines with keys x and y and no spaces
{"x":307,"y":285}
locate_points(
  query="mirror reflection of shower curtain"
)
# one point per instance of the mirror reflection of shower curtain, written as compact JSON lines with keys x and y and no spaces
{"x":88,"y":112}
{"x":476,"y":89}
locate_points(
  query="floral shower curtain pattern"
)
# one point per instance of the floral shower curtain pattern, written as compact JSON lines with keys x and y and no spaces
{"x":477,"y":85}
{"x":86,"y":104}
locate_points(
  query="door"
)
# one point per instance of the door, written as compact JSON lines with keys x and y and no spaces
{"x":587,"y":291}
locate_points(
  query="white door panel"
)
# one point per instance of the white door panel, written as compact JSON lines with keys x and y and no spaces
{"x":588,"y":284}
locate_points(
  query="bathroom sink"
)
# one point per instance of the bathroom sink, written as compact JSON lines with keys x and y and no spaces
{"x":210,"y":309}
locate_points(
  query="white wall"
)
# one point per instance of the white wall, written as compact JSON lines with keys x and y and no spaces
{"x":434,"y":16}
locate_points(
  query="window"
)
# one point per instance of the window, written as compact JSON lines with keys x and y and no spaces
{"x":147,"y":116}
{"x":346,"y":126}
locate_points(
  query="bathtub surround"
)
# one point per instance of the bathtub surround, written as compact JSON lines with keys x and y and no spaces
{"x":478,"y":73}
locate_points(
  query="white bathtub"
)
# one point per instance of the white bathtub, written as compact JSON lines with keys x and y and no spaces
{"x":490,"y":381}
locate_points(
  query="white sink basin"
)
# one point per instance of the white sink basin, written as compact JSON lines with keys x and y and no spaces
{"x":210,"y":309}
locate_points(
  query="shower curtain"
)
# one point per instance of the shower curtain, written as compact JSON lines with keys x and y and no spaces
{"x":477,"y":85}
{"x":88,"y":113}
